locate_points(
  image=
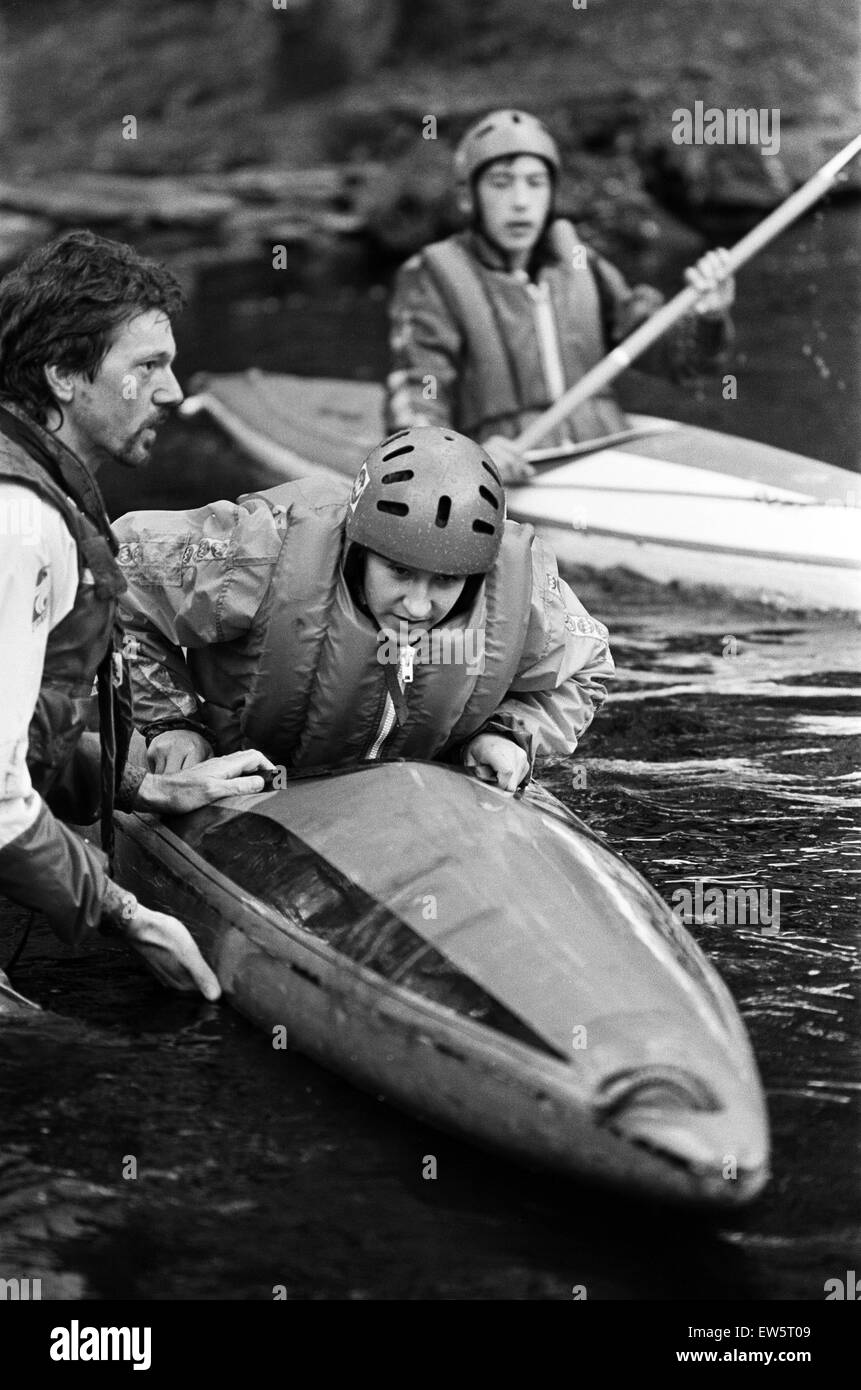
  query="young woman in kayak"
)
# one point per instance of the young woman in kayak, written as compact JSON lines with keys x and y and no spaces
{"x":408,"y":618}
{"x":491,"y":326}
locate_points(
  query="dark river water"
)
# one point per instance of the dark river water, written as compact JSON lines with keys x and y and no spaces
{"x":728,"y":755}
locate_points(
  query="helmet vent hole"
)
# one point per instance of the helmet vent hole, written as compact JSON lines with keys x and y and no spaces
{"x":403,"y":475}
{"x":393,"y":508}
{"x":396,"y":453}
{"x":484,"y":528}
{"x":492,"y":470}
{"x":488,"y":496}
{"x":443,"y":511}
{"x":399,"y":434}
{"x":485,"y":130}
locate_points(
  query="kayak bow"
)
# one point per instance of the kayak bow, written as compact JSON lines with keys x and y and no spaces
{"x":482,"y":961}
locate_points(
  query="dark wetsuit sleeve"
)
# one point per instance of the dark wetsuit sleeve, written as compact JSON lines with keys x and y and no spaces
{"x":52,"y":870}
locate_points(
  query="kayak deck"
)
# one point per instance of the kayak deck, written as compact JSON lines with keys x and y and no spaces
{"x":504,"y":976}
{"x":332,"y":422}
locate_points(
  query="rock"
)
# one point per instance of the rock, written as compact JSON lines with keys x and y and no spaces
{"x":109,"y":198}
{"x":268,"y":184}
{"x":322,"y":185}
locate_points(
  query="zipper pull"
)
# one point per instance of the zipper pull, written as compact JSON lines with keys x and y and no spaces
{"x":406,"y":657}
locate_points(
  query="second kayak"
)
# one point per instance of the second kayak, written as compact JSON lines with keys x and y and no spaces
{"x":671,"y":502}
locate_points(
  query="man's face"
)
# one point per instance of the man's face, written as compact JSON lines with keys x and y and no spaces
{"x":115,"y":417}
{"x":514,"y":199}
{"x":398,"y":595}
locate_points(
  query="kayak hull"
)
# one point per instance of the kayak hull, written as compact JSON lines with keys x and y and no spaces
{"x":485,"y":1055}
{"x":781,"y":584}
{"x":676,"y":504}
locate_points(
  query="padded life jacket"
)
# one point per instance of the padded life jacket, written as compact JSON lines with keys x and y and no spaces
{"x":502,"y":384}
{"x":317,"y":689}
{"x":85,"y":648}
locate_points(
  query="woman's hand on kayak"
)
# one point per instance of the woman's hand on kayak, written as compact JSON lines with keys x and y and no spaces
{"x":171,"y":952}
{"x":236,"y":774}
{"x":513,"y":466}
{"x":496,"y":759}
{"x":176,"y":749}
{"x":712,"y":280}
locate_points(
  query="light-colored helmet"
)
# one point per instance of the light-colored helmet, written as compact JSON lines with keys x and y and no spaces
{"x":429,"y":498}
{"x":500,"y":135}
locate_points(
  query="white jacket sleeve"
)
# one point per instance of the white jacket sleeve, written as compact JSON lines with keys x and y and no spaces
{"x":38,"y":583}
{"x":43,"y":865}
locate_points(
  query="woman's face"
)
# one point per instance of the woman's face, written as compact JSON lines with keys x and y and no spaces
{"x":397,"y":594}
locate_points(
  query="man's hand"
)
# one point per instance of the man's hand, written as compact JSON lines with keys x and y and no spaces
{"x":496,"y":759}
{"x":513,"y":467}
{"x":713,"y":282}
{"x":171,"y":952}
{"x":177,"y":792}
{"x":176,"y":749}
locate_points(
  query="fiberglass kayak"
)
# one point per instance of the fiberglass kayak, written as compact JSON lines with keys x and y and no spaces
{"x":483,"y":961}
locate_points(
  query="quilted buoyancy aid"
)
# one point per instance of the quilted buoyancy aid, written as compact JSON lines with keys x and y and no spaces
{"x":318,"y":688}
{"x":85,"y":648}
{"x":501,"y":372}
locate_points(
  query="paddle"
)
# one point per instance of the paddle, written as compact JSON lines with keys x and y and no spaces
{"x":11,"y":1002}
{"x":543,"y":460}
{"x":655,"y":327}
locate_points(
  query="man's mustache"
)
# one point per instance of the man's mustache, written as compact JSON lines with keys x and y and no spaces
{"x":155,"y":421}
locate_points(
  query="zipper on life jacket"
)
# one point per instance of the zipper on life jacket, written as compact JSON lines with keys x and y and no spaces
{"x":406,"y":657}
{"x":548,"y":341}
{"x":384,"y":729}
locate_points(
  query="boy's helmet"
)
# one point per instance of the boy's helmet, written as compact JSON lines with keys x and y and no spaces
{"x":429,"y":498}
{"x":500,"y":135}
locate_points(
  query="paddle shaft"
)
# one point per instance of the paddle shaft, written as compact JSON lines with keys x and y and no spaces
{"x":13,"y":1002}
{"x":544,"y":460}
{"x":656,"y":326}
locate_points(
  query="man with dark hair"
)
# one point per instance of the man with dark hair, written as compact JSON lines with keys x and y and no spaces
{"x":86,"y":353}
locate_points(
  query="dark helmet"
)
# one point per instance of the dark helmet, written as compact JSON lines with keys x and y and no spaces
{"x":429,"y":498}
{"x":500,"y":135}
